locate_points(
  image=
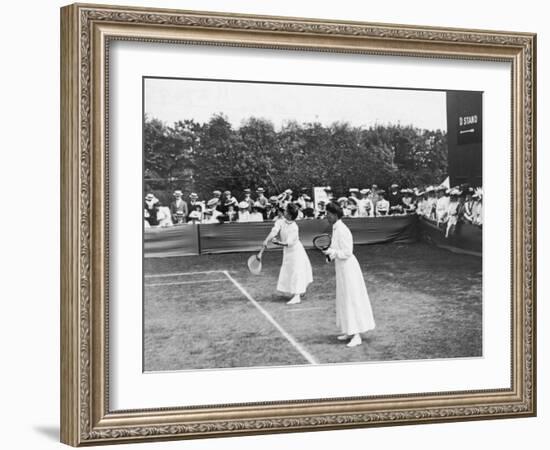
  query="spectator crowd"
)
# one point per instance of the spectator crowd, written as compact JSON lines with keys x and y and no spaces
{"x":440,"y":204}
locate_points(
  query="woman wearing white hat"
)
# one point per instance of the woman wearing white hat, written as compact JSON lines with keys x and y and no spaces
{"x":151,"y":206}
{"x":194,"y":203}
{"x":442,"y":204}
{"x":409,"y":206}
{"x":382,"y":205}
{"x":295,"y":274}
{"x":211,"y":214}
{"x":243,"y":215}
{"x":343,"y":202}
{"x":452,"y":211}
{"x":365,"y":207}
{"x":477,"y":207}
{"x":195,"y":217}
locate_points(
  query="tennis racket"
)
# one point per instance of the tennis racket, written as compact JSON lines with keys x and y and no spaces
{"x":255,"y":262}
{"x":322,"y":242}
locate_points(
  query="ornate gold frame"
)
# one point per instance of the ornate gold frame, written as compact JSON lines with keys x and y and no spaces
{"x":86,"y":31}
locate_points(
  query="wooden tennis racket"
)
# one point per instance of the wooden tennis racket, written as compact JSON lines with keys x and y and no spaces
{"x":322,"y":242}
{"x":255,"y":262}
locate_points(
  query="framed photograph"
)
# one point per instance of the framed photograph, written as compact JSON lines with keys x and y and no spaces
{"x":274,"y":224}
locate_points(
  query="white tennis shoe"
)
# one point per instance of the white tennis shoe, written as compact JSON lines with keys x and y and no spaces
{"x":355,"y":341}
{"x":294,"y":300}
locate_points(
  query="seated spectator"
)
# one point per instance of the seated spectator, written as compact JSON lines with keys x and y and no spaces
{"x":354,"y":192}
{"x":248,"y":199}
{"x":301,"y":200}
{"x":321,"y":210}
{"x":421,"y":203}
{"x":207,"y":217}
{"x":441,"y":204}
{"x":211,"y":213}
{"x":194,"y":217}
{"x":271,"y":210}
{"x":217,"y":194}
{"x":194,"y":201}
{"x":382,"y":205}
{"x":243,"y":215}
{"x":353,"y":205}
{"x":343,"y":203}
{"x":231,"y":213}
{"x":477,"y":207}
{"x":407,"y":203}
{"x":256,"y":214}
{"x":329,"y":193}
{"x":309,"y":211}
{"x":373,"y":196}
{"x":164,"y":216}
{"x":197,"y":212}
{"x":453,"y":211}
{"x":151,"y":206}
{"x":226,"y":200}
{"x":430,"y":203}
{"x":394,"y":199}
{"x":365,"y":208}
{"x":467,"y":206}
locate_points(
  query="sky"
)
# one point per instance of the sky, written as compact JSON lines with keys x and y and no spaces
{"x":171,"y":100}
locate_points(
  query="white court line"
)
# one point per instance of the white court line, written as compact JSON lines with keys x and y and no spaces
{"x":305,"y":309}
{"x":182,"y":273}
{"x":185,"y":282}
{"x":308,"y":356}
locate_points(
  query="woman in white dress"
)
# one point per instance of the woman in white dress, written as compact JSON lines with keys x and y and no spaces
{"x":353,"y":309}
{"x":295,"y":274}
{"x":453,"y":208}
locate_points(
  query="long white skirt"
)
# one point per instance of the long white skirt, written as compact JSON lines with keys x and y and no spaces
{"x":353,"y":308}
{"x":296,"y":273}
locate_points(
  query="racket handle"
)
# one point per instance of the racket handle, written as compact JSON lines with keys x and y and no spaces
{"x":261,"y":252}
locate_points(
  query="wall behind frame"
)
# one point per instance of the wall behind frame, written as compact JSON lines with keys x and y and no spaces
{"x":29,"y":238}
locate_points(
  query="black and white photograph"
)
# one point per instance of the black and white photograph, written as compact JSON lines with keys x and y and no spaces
{"x":292,"y":224}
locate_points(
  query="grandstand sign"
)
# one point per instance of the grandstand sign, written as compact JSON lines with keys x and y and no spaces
{"x":464,"y":137}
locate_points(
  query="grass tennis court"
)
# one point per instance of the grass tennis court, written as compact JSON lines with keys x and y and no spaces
{"x":208,"y":311}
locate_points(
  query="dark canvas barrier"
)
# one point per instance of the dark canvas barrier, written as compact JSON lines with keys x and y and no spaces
{"x":376,"y":230}
{"x":244,"y":237}
{"x":466,"y":239}
{"x":233,"y":237}
{"x":179,"y":240}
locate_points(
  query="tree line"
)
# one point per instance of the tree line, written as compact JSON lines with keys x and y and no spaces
{"x":201,"y":157}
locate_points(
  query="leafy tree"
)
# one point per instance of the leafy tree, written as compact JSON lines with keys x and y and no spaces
{"x":215,"y":155}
